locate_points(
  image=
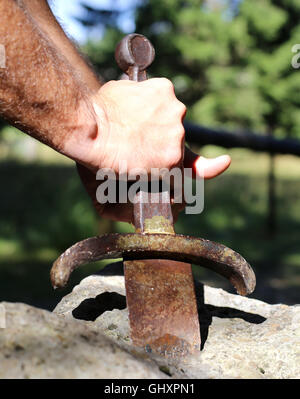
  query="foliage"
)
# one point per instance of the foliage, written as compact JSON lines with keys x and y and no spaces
{"x":230,"y":61}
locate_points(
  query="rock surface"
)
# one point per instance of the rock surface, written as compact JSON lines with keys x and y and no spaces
{"x":87,"y":336}
{"x":39,"y":344}
{"x":241,"y":337}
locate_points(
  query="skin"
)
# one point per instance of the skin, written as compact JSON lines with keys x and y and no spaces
{"x":48,"y":91}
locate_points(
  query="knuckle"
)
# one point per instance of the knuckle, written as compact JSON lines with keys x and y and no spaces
{"x":109,"y":86}
{"x":164,"y":82}
{"x":110,"y":83}
{"x":175,"y":156}
{"x":179,"y":132}
{"x":182,"y":108}
{"x":179,"y":108}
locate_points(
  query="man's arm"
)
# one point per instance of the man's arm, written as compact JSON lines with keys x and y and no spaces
{"x":40,"y":11}
{"x":39,"y":92}
{"x":42,"y":95}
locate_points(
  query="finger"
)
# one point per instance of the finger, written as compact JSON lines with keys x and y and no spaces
{"x":205,"y":167}
{"x":117,"y":212}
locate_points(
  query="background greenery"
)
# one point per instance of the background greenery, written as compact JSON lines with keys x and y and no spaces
{"x":230,"y":63}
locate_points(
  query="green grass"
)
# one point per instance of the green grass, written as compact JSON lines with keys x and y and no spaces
{"x":44,"y":210}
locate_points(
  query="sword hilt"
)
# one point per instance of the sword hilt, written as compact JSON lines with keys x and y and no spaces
{"x":134,"y":54}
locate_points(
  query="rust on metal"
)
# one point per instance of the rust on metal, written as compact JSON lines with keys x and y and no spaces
{"x":134,"y":54}
{"x":201,"y":252}
{"x":152,"y":213}
{"x":162,"y":306}
{"x":160,"y":293}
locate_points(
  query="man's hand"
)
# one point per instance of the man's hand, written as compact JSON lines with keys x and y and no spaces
{"x":139,"y":123}
{"x":49,"y":92}
{"x":124,"y":212}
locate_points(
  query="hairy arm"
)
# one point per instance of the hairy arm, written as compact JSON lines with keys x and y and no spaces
{"x":39,"y":92}
{"x":41,"y":13}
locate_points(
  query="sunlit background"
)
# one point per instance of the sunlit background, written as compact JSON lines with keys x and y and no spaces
{"x":230,"y":62}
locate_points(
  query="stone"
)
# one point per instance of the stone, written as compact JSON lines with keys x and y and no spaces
{"x":39,"y":344}
{"x":241,"y":337}
{"x":88,"y":336}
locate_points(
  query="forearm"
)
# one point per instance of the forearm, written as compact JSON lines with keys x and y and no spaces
{"x":39,"y":91}
{"x":41,"y":13}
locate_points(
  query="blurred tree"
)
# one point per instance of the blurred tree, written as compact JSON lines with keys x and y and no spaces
{"x":230,"y":61}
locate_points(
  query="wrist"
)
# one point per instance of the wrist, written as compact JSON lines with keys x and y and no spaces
{"x":79,"y":142}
